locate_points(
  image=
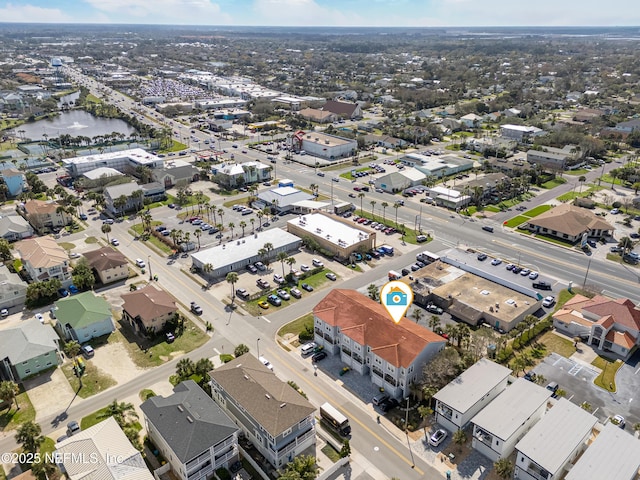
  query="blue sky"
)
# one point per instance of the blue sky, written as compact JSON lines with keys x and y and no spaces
{"x":415,"y":13}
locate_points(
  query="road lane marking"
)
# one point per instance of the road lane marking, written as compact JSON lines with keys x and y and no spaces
{"x":266,"y":319}
{"x":322,"y":393}
{"x":216,"y":350}
{"x":638,"y":370}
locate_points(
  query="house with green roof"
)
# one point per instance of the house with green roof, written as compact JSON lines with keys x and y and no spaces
{"x":83,"y":317}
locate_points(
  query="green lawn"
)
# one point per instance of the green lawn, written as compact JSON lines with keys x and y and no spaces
{"x":175,"y":147}
{"x":146,"y":394}
{"x":553,"y":183}
{"x":579,"y":171}
{"x":11,"y":418}
{"x":558,"y":344}
{"x":90,"y":240}
{"x":331,"y":453}
{"x":159,"y":351}
{"x":48,"y":446}
{"x":534,"y":212}
{"x":297,"y":326}
{"x":515,"y":221}
{"x":488,"y":208}
{"x":67,"y":245}
{"x":606,"y":379}
{"x":607,"y":179}
{"x":93,"y":381}
{"x":563,"y":297}
{"x":92,"y":419}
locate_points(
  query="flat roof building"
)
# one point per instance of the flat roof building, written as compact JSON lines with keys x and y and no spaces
{"x":329,"y":147}
{"x":283,"y":199}
{"x":237,"y":254}
{"x":613,"y":454}
{"x":554,"y":442}
{"x":338,"y":237}
{"x":502,"y":423}
{"x":124,"y":161}
{"x":462,"y":398}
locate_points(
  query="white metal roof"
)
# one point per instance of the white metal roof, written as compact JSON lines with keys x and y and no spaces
{"x":511,"y":408}
{"x":553,"y":439}
{"x":331,"y":230}
{"x":469,"y":387}
{"x":614,"y":454}
{"x":241,"y":249}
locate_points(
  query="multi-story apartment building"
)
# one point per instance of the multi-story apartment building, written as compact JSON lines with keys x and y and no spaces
{"x":272,"y":415}
{"x":360,"y":330}
{"x":44,"y":259}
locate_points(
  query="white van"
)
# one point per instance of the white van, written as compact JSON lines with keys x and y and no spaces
{"x":308,"y":348}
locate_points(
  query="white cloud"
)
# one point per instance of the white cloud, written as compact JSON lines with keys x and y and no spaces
{"x":31,"y":13}
{"x":301,"y":12}
{"x":199,"y":12}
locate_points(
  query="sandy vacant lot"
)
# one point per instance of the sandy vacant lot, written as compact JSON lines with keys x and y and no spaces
{"x":113,"y":359}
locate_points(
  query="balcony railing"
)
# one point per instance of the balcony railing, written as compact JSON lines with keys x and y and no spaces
{"x":484,"y":437}
{"x":292,"y":445}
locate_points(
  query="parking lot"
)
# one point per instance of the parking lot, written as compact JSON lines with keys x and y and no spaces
{"x":576,"y":379}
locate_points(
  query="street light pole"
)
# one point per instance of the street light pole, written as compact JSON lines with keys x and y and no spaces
{"x":406,"y":431}
{"x":149,"y":265}
{"x":258,"y":346}
{"x":586,"y":274}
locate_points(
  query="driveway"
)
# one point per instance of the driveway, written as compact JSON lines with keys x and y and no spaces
{"x":47,"y":386}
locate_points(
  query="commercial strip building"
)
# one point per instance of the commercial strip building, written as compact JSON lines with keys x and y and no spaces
{"x":520,"y":133}
{"x":237,"y":254}
{"x":282,"y":199}
{"x":323,"y":145}
{"x":125,"y":161}
{"x":277,"y":420}
{"x":437,"y":166}
{"x":340,"y":238}
{"x":569,"y":222}
{"x":359,"y":329}
{"x":459,"y":401}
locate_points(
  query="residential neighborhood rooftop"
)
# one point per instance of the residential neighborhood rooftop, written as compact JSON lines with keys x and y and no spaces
{"x":472,"y":385}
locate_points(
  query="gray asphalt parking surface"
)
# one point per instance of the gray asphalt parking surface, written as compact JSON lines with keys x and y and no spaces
{"x":576,"y":379}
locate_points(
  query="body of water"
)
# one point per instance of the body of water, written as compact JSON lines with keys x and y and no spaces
{"x":74,"y":123}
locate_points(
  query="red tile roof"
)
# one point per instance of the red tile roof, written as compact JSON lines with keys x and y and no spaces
{"x":623,"y":311}
{"x":624,"y":339}
{"x":368,"y":323}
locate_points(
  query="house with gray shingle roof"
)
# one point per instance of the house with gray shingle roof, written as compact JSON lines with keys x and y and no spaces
{"x":273,"y":416}
{"x":27,"y":350}
{"x":191,"y":431}
{"x":14,"y":228}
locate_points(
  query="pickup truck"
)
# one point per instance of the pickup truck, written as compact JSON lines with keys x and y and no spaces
{"x":542,"y":285}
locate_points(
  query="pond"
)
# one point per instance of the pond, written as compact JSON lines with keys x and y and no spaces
{"x":75,"y":123}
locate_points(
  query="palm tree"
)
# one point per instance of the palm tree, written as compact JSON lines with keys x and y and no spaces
{"x":122,"y":412}
{"x":417,"y":314}
{"x":459,"y":437}
{"x":253,"y":227}
{"x":373,"y":204}
{"x":282,"y":257}
{"x":384,"y":206}
{"x":463,"y":334}
{"x":361,"y":196}
{"x":221,"y":213}
{"x":260,"y":214}
{"x":232,"y":278}
{"x":504,"y":468}
{"x":198,"y":234}
{"x":291,"y":261}
{"x":373,"y":292}
{"x":9,"y":392}
{"x":29,"y":436}
{"x":581,"y":179}
{"x":243,"y":225}
{"x":434,"y":323}
{"x":106,"y":228}
{"x":231,"y":227}
{"x":396,"y":206}
{"x":207,"y":268}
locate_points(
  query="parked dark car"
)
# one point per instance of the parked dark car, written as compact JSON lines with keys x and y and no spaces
{"x":307,"y":287}
{"x":389,"y":404}
{"x":318,"y":356}
{"x":542,"y":285}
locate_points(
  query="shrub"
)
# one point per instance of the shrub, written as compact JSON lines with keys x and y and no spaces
{"x":226,"y":358}
{"x":223,"y":474}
